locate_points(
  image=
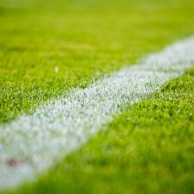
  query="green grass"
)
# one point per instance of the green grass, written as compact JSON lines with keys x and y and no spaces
{"x":84,"y":40}
{"x":147,"y":149}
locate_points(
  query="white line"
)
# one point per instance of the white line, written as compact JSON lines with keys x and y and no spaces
{"x":31,"y":143}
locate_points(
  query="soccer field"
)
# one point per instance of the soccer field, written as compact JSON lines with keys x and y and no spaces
{"x":97,"y":96}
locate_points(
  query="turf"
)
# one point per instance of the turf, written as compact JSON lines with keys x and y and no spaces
{"x":82,"y":40}
{"x":49,"y":47}
{"x":147,"y":149}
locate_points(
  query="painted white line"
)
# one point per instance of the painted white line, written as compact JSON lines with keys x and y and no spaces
{"x":31,"y":143}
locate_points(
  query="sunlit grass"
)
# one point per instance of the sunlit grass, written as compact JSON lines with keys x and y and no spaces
{"x":82,"y":45}
{"x":50,"y":47}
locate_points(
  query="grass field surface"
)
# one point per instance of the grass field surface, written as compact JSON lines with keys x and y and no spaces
{"x":47,"y":48}
{"x":32,"y":143}
{"x":148,"y":149}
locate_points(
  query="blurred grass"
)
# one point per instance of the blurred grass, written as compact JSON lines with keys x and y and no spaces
{"x":49,"y":47}
{"x":147,"y":149}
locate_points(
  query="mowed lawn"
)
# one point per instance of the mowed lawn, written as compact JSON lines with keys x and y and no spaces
{"x":49,"y":47}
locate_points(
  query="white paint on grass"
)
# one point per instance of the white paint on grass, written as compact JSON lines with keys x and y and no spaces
{"x":31,"y":143}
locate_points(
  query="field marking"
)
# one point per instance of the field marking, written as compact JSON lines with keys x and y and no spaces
{"x":32,"y":143}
